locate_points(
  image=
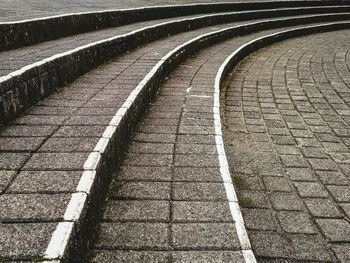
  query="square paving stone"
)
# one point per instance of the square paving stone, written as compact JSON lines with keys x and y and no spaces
{"x":253,"y":199}
{"x":310,"y":189}
{"x":199,"y":236}
{"x":80,"y":131}
{"x":293,"y":161}
{"x":6,"y":177}
{"x":148,"y":160}
{"x":69,"y":145}
{"x":201,"y":212}
{"x":337,"y":230}
{"x":155,"y":129}
{"x":132,"y":173}
{"x":196,"y":149}
{"x":199,"y":191}
{"x":33,"y":207}
{"x":322,"y":208}
{"x":208,"y":256}
{"x":157,"y":148}
{"x":323,"y":164}
{"x":342,"y":252}
{"x":27,"y":130}
{"x":333,"y":178}
{"x":161,"y":138}
{"x":340,"y":193}
{"x":346,"y":208}
{"x":301,"y":174}
{"x":12,"y":161}
{"x":15,"y":245}
{"x":107,"y":256}
{"x":201,"y":139}
{"x":194,"y":160}
{"x":289,"y":202}
{"x":199,"y":174}
{"x":133,"y":236}
{"x":137,"y":211}
{"x":28,"y":144}
{"x":296,"y":222}
{"x":56,"y":161}
{"x":45,"y":182}
{"x":40,"y":119}
{"x":311,"y":152}
{"x":89,"y":120}
{"x":278,"y":184}
{"x":142,"y":190}
{"x":260,"y":219}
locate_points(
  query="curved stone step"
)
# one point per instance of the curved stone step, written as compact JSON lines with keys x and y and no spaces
{"x":27,"y":32}
{"x":23,"y":88}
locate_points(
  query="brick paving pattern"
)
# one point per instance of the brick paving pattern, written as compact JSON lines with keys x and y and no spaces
{"x":286,"y":132}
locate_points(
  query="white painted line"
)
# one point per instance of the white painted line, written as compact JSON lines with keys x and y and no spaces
{"x":92,"y":161}
{"x":75,"y":207}
{"x":86,"y":182}
{"x":59,"y":241}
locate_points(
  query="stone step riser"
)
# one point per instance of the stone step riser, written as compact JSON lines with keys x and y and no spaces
{"x":28,"y":32}
{"x":23,"y":88}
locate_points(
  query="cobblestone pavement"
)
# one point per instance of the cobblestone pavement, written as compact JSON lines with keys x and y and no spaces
{"x":169,"y":202}
{"x":42,"y":153}
{"x":11,"y":10}
{"x":287,"y":137}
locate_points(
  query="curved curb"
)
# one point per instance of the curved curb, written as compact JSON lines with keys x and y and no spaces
{"x":70,"y":235}
{"x":30,"y":31}
{"x":24,"y":87}
{"x":223,"y":71}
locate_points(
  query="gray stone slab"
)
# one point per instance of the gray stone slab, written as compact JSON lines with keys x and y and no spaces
{"x":161,"y":138}
{"x":80,"y":131}
{"x":334,"y":178}
{"x":142,"y":190}
{"x":342,"y":252}
{"x":133,"y":236}
{"x":56,"y":161}
{"x":285,"y":201}
{"x":337,"y":230}
{"x":208,"y":256}
{"x":150,"y":211}
{"x":158,"y":148}
{"x":196,"y":160}
{"x":27,"y":130}
{"x":132,"y":173}
{"x":201,"y":139}
{"x":6,"y":177}
{"x":108,"y":256}
{"x":201,"y":236}
{"x":296,"y":222}
{"x":12,"y":161}
{"x":45,"y":182}
{"x":69,"y":145}
{"x":148,"y":160}
{"x":277,"y":184}
{"x":33,"y":207}
{"x":15,"y":245}
{"x":306,"y":189}
{"x":322,"y":208}
{"x":197,"y":174}
{"x":340,"y":193}
{"x":262,"y":219}
{"x":301,"y":174}
{"x":195,"y":149}
{"x":199,"y":191}
{"x":21,"y":144}
{"x":201,"y":212}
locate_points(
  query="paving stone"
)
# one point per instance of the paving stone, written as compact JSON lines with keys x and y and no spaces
{"x":301,"y":174}
{"x":342,"y":252}
{"x":40,"y":120}
{"x":6,"y":177}
{"x":253,"y":199}
{"x":158,"y":148}
{"x":199,"y":174}
{"x":33,"y":207}
{"x":311,"y":152}
{"x":296,"y":222}
{"x":208,"y":256}
{"x":148,"y":160}
{"x":25,"y":144}
{"x":108,"y":256}
{"x":15,"y":245}
{"x":346,"y":208}
{"x":259,"y":219}
{"x":306,"y":189}
{"x":337,"y":230}
{"x":12,"y":161}
{"x":195,"y":149}
{"x":133,"y":236}
{"x":201,"y":212}
{"x":26,"y":130}
{"x":149,"y":211}
{"x":340,"y":193}
{"x":56,"y":161}
{"x":142,"y":190}
{"x":196,"y":160}
{"x":199,"y":191}
{"x":80,"y":131}
{"x":322,"y":208}
{"x":45,"y":182}
{"x":200,"y":139}
{"x":200,"y":236}
{"x":69,"y":145}
{"x":283,"y":201}
{"x":279,"y":184}
{"x":323,"y":165}
{"x":132,"y":173}
{"x":160,"y":138}
{"x":335,"y":178}
{"x":293,"y":161}
{"x":154,"y":129}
